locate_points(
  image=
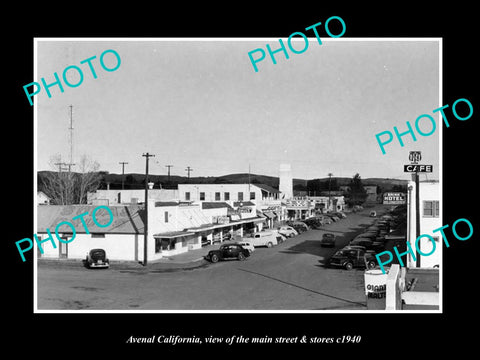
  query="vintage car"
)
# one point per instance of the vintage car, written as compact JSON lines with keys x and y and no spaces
{"x":350,"y":257}
{"x":263,"y":238}
{"x":246,"y":245}
{"x":287,"y":231}
{"x":328,"y":239}
{"x":97,"y":258}
{"x":228,"y":251}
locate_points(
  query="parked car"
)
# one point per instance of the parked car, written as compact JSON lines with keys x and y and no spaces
{"x":368,"y":244}
{"x":299,"y":226}
{"x":288,"y":231}
{"x":333,"y":217}
{"x":350,"y":257}
{"x":228,"y":251}
{"x":280,"y":237}
{"x":340,"y":214}
{"x":263,"y":238}
{"x":246,"y":245}
{"x":97,"y":258}
{"x":314,"y":223}
{"x":325,"y":219}
{"x":328,"y":239}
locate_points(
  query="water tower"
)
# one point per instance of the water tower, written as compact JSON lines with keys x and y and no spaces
{"x":286,"y":181}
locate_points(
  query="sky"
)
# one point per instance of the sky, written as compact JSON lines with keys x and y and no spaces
{"x":199,"y":103}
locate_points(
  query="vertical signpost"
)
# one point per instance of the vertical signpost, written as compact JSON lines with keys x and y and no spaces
{"x":415,"y":168}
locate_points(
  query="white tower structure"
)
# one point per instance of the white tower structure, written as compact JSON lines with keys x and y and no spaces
{"x":286,"y":181}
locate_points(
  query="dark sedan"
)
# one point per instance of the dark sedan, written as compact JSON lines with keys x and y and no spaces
{"x":97,"y":258}
{"x":227,"y":251}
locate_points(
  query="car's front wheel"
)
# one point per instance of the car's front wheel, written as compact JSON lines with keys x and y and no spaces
{"x":371,"y":264}
{"x":269,"y":244}
{"x":348,"y":266}
{"x":241,"y":257}
{"x":214,"y":258}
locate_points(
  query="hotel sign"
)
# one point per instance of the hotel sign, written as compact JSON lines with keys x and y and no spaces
{"x":394,"y":198}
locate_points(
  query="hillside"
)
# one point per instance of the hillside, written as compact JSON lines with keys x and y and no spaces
{"x":137,"y":181}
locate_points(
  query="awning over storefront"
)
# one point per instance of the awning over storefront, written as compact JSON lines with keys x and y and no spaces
{"x":173,"y":234}
{"x":269,"y":214}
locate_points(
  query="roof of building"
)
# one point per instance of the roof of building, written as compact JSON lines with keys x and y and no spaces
{"x":215,"y":205}
{"x":243,"y":203}
{"x":127,"y":219}
{"x":166,"y":203}
{"x":267,"y":188}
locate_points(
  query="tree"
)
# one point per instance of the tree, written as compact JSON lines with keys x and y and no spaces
{"x":66,"y":187}
{"x":88,"y":179}
{"x":357,"y":193}
{"x":59,"y":185}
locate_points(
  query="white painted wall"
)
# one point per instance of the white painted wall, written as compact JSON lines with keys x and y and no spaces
{"x":429,"y":191}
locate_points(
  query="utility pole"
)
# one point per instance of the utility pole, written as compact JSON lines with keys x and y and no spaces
{"x":188,"y":170}
{"x":60,"y":166}
{"x":168,"y":166}
{"x":417,"y":213}
{"x":71,"y":139}
{"x":123,"y":172}
{"x":145,"y":228}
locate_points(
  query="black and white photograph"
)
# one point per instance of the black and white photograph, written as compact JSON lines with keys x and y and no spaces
{"x":267,"y":190}
{"x":222,"y":182}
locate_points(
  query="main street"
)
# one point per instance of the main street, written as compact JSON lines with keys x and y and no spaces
{"x":289,"y":276}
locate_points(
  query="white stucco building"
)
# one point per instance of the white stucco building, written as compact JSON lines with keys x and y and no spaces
{"x":174,"y":227}
{"x":430,"y":219}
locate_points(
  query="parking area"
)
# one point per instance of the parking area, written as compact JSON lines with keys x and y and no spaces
{"x":289,"y":276}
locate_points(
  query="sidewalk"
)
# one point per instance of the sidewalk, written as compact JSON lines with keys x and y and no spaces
{"x":189,"y":260}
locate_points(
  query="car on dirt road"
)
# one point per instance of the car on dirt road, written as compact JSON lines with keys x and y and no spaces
{"x":228,"y":251}
{"x":351,"y":257}
{"x":97,"y":258}
{"x":328,"y":239}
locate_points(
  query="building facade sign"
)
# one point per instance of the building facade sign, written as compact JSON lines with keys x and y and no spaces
{"x":394,"y":198}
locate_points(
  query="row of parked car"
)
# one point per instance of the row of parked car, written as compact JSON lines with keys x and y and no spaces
{"x":243,"y":248}
{"x":360,"y":252}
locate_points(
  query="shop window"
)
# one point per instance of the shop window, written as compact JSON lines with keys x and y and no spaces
{"x":158,"y":245}
{"x":202,"y":196}
{"x":252,"y":195}
{"x":217,"y":196}
{"x":240,"y":196}
{"x":187,"y":196}
{"x":431,"y":208}
{"x":226,"y":196}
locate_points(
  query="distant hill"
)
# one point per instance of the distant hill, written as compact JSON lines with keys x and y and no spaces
{"x":137,"y":181}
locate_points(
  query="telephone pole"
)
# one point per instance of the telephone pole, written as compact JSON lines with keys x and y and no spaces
{"x":123,"y":172}
{"x":71,"y":139}
{"x":145,"y":228}
{"x":188,"y":170}
{"x":168,"y":166}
